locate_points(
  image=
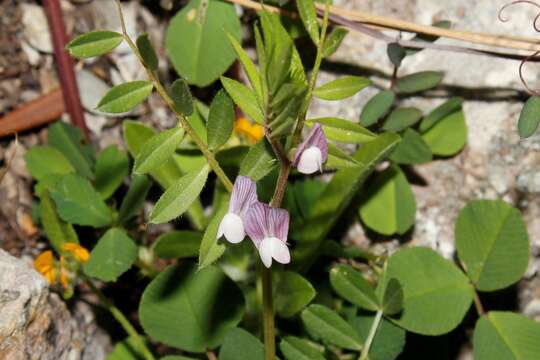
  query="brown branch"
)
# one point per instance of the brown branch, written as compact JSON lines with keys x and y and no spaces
{"x":64,"y":64}
{"x":41,"y":111}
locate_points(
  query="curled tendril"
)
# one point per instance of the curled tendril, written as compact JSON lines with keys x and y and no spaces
{"x":521,"y":65}
{"x":536,"y":25}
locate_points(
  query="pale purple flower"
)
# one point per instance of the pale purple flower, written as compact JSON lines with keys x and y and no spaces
{"x":244,"y":194}
{"x":268,"y":228}
{"x":312,"y":152}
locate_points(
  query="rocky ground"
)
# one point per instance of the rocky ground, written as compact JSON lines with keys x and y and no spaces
{"x":495,"y":162}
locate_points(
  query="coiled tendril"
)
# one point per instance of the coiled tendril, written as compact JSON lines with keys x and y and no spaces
{"x":536,"y":27}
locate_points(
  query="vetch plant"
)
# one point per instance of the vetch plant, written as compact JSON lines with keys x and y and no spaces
{"x":227,"y":175}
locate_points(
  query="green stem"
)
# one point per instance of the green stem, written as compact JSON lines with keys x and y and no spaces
{"x":268,"y":314}
{"x":371,"y":335}
{"x":277,"y":198}
{"x":214,"y":165}
{"x":121,"y":318}
{"x":478,"y":304}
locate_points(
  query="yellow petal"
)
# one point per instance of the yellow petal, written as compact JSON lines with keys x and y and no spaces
{"x":44,"y":262}
{"x":252,"y":132}
{"x":80,"y":253}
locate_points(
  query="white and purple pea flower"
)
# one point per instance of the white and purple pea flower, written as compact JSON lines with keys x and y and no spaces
{"x":312,"y":153}
{"x":266,"y":226}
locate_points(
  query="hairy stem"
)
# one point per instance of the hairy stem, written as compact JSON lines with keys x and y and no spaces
{"x":268,"y":314}
{"x":122,"y":320}
{"x":371,"y":335}
{"x":214,"y":165}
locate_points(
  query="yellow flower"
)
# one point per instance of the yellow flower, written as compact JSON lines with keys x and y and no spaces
{"x":79,"y":252}
{"x":64,"y":280}
{"x":252,"y":132}
{"x":44,"y":264}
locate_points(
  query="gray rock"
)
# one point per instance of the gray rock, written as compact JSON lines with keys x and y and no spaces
{"x":36,"y":324}
{"x":36,"y":28}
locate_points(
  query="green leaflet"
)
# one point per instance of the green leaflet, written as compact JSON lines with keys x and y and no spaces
{"x":77,"y":202}
{"x":529,"y":118}
{"x":324,"y":323}
{"x":307,"y":12}
{"x":69,"y":140}
{"x":420,"y":81}
{"x":147,"y":52}
{"x":157,"y":150}
{"x":448,"y":136}
{"x":341,"y":88}
{"x":58,"y":232}
{"x":238,"y":343}
{"x":244,"y":98}
{"x":343,"y":130}
{"x":390,"y":205}
{"x":94,"y":43}
{"x":205,"y":53}
{"x":112,"y":166}
{"x":294,"y":348}
{"x":179,"y":196}
{"x":377,"y":107}
{"x":181,"y":96}
{"x":133,"y":202}
{"x":178,"y":244}
{"x":351,"y":285}
{"x":292,"y":293}
{"x":259,"y":161}
{"x":184,"y":307}
{"x":113,"y":255}
{"x":492,"y":242}
{"x":220,"y":120}
{"x":334,"y":40}
{"x":433,"y":288}
{"x":124,"y":97}
{"x":505,"y":335}
{"x":401,"y":118}
{"x":42,"y":161}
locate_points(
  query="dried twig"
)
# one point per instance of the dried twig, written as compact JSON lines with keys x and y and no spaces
{"x":363,"y":21}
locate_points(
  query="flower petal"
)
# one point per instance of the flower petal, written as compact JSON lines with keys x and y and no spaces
{"x":265,"y":251}
{"x":316,"y":138}
{"x":310,"y":161}
{"x":280,"y":252}
{"x":255,"y":222}
{"x":278,"y":223}
{"x":232,"y":228}
{"x":244,"y":194}
{"x":274,"y":248}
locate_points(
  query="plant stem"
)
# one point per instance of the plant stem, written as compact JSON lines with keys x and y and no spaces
{"x":121,"y":318}
{"x":211,"y":355}
{"x":371,"y":335}
{"x":478,"y":304}
{"x":268,"y":314}
{"x":279,"y":192}
{"x":214,"y":165}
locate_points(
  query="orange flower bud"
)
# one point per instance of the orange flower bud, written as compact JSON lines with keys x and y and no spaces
{"x":44,"y":264}
{"x":79,"y":252}
{"x":252,"y":132}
